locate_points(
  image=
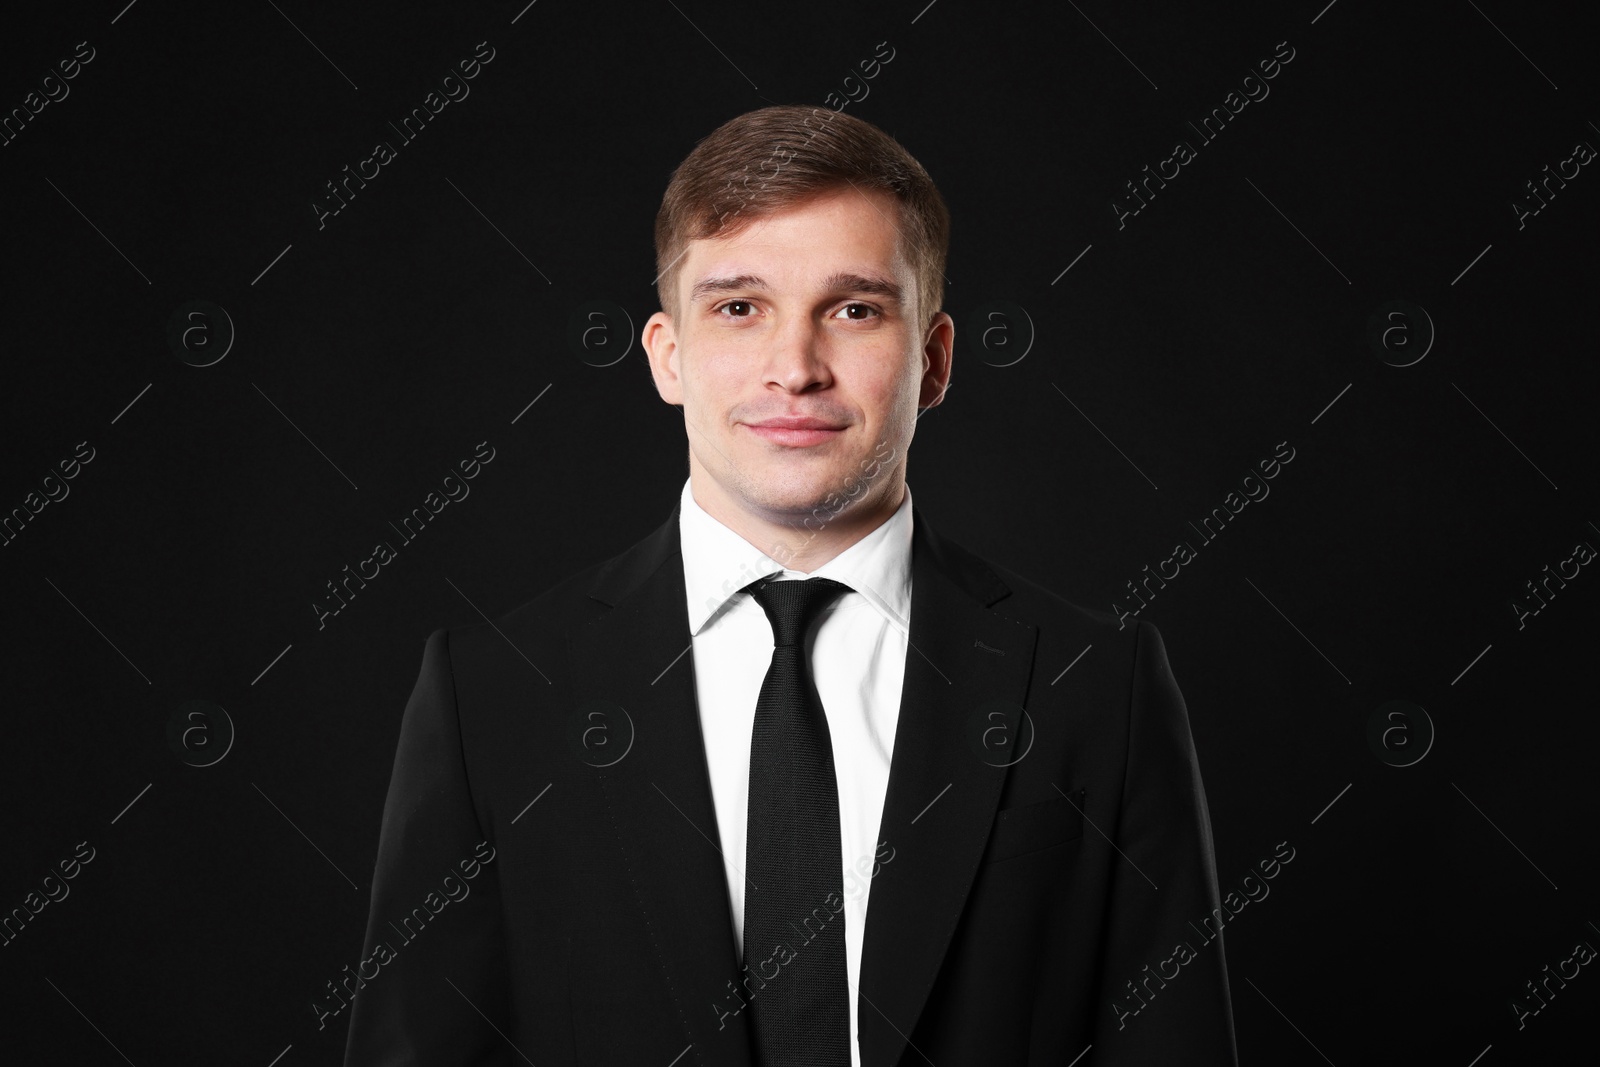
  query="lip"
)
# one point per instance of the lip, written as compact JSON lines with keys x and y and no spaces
{"x":795,"y":430}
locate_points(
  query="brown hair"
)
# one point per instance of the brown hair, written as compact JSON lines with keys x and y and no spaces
{"x":775,"y":157}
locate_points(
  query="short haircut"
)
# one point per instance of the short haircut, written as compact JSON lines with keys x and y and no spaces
{"x":775,"y":157}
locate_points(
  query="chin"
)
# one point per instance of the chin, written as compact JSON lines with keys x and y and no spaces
{"x":791,"y":498}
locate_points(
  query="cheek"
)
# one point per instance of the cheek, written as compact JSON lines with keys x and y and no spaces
{"x":884,"y":370}
{"x":717,"y":383}
{"x":723,"y":379}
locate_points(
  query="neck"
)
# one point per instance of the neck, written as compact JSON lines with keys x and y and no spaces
{"x":790,"y":541}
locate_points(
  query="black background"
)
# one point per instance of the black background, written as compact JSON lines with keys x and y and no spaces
{"x":375,"y":352}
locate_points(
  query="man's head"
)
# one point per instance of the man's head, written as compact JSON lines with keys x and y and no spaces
{"x":775,"y":157}
{"x":800,"y":255}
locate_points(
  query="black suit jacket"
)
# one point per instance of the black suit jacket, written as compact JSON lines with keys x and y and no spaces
{"x":538,"y":899}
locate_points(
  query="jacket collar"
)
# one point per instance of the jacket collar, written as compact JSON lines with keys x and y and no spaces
{"x":621,"y":576}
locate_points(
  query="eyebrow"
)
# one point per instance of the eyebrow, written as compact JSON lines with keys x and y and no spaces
{"x":840,"y":282}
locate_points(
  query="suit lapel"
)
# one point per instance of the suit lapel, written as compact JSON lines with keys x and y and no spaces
{"x":961,"y":725}
{"x":966,"y":673}
{"x":659,"y":794}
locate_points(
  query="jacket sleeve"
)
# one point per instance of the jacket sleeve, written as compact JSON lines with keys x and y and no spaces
{"x":1163,"y":983}
{"x":431,"y":986}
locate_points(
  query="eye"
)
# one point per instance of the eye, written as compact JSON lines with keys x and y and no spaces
{"x":745,"y":304}
{"x":859,"y":307}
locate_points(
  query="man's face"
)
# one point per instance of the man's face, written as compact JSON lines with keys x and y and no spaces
{"x":808,"y":313}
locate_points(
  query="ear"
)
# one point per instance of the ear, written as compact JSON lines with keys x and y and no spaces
{"x":938,"y":348}
{"x":660,"y":342}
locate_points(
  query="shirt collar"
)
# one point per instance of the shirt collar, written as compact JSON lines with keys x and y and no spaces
{"x":718,"y":563}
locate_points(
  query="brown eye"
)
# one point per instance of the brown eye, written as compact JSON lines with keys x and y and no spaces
{"x":736,"y":304}
{"x":866,"y":308}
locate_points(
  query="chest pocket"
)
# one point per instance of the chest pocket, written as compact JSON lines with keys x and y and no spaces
{"x":1031,"y":827}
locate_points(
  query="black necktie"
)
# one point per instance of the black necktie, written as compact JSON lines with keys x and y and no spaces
{"x":794,"y":888}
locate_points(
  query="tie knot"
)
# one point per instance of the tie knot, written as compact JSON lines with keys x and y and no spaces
{"x":792,"y":606}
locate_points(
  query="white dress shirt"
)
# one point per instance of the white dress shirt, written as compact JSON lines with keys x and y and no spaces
{"x":857,"y":661}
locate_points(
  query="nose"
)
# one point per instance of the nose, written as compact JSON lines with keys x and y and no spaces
{"x":798,"y":358}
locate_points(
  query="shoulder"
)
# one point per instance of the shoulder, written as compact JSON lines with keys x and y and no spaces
{"x":1068,"y":627}
{"x":544,"y":620}
{"x":1031,"y":600}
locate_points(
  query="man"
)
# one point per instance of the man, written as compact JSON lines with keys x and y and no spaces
{"x":794,"y":779}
